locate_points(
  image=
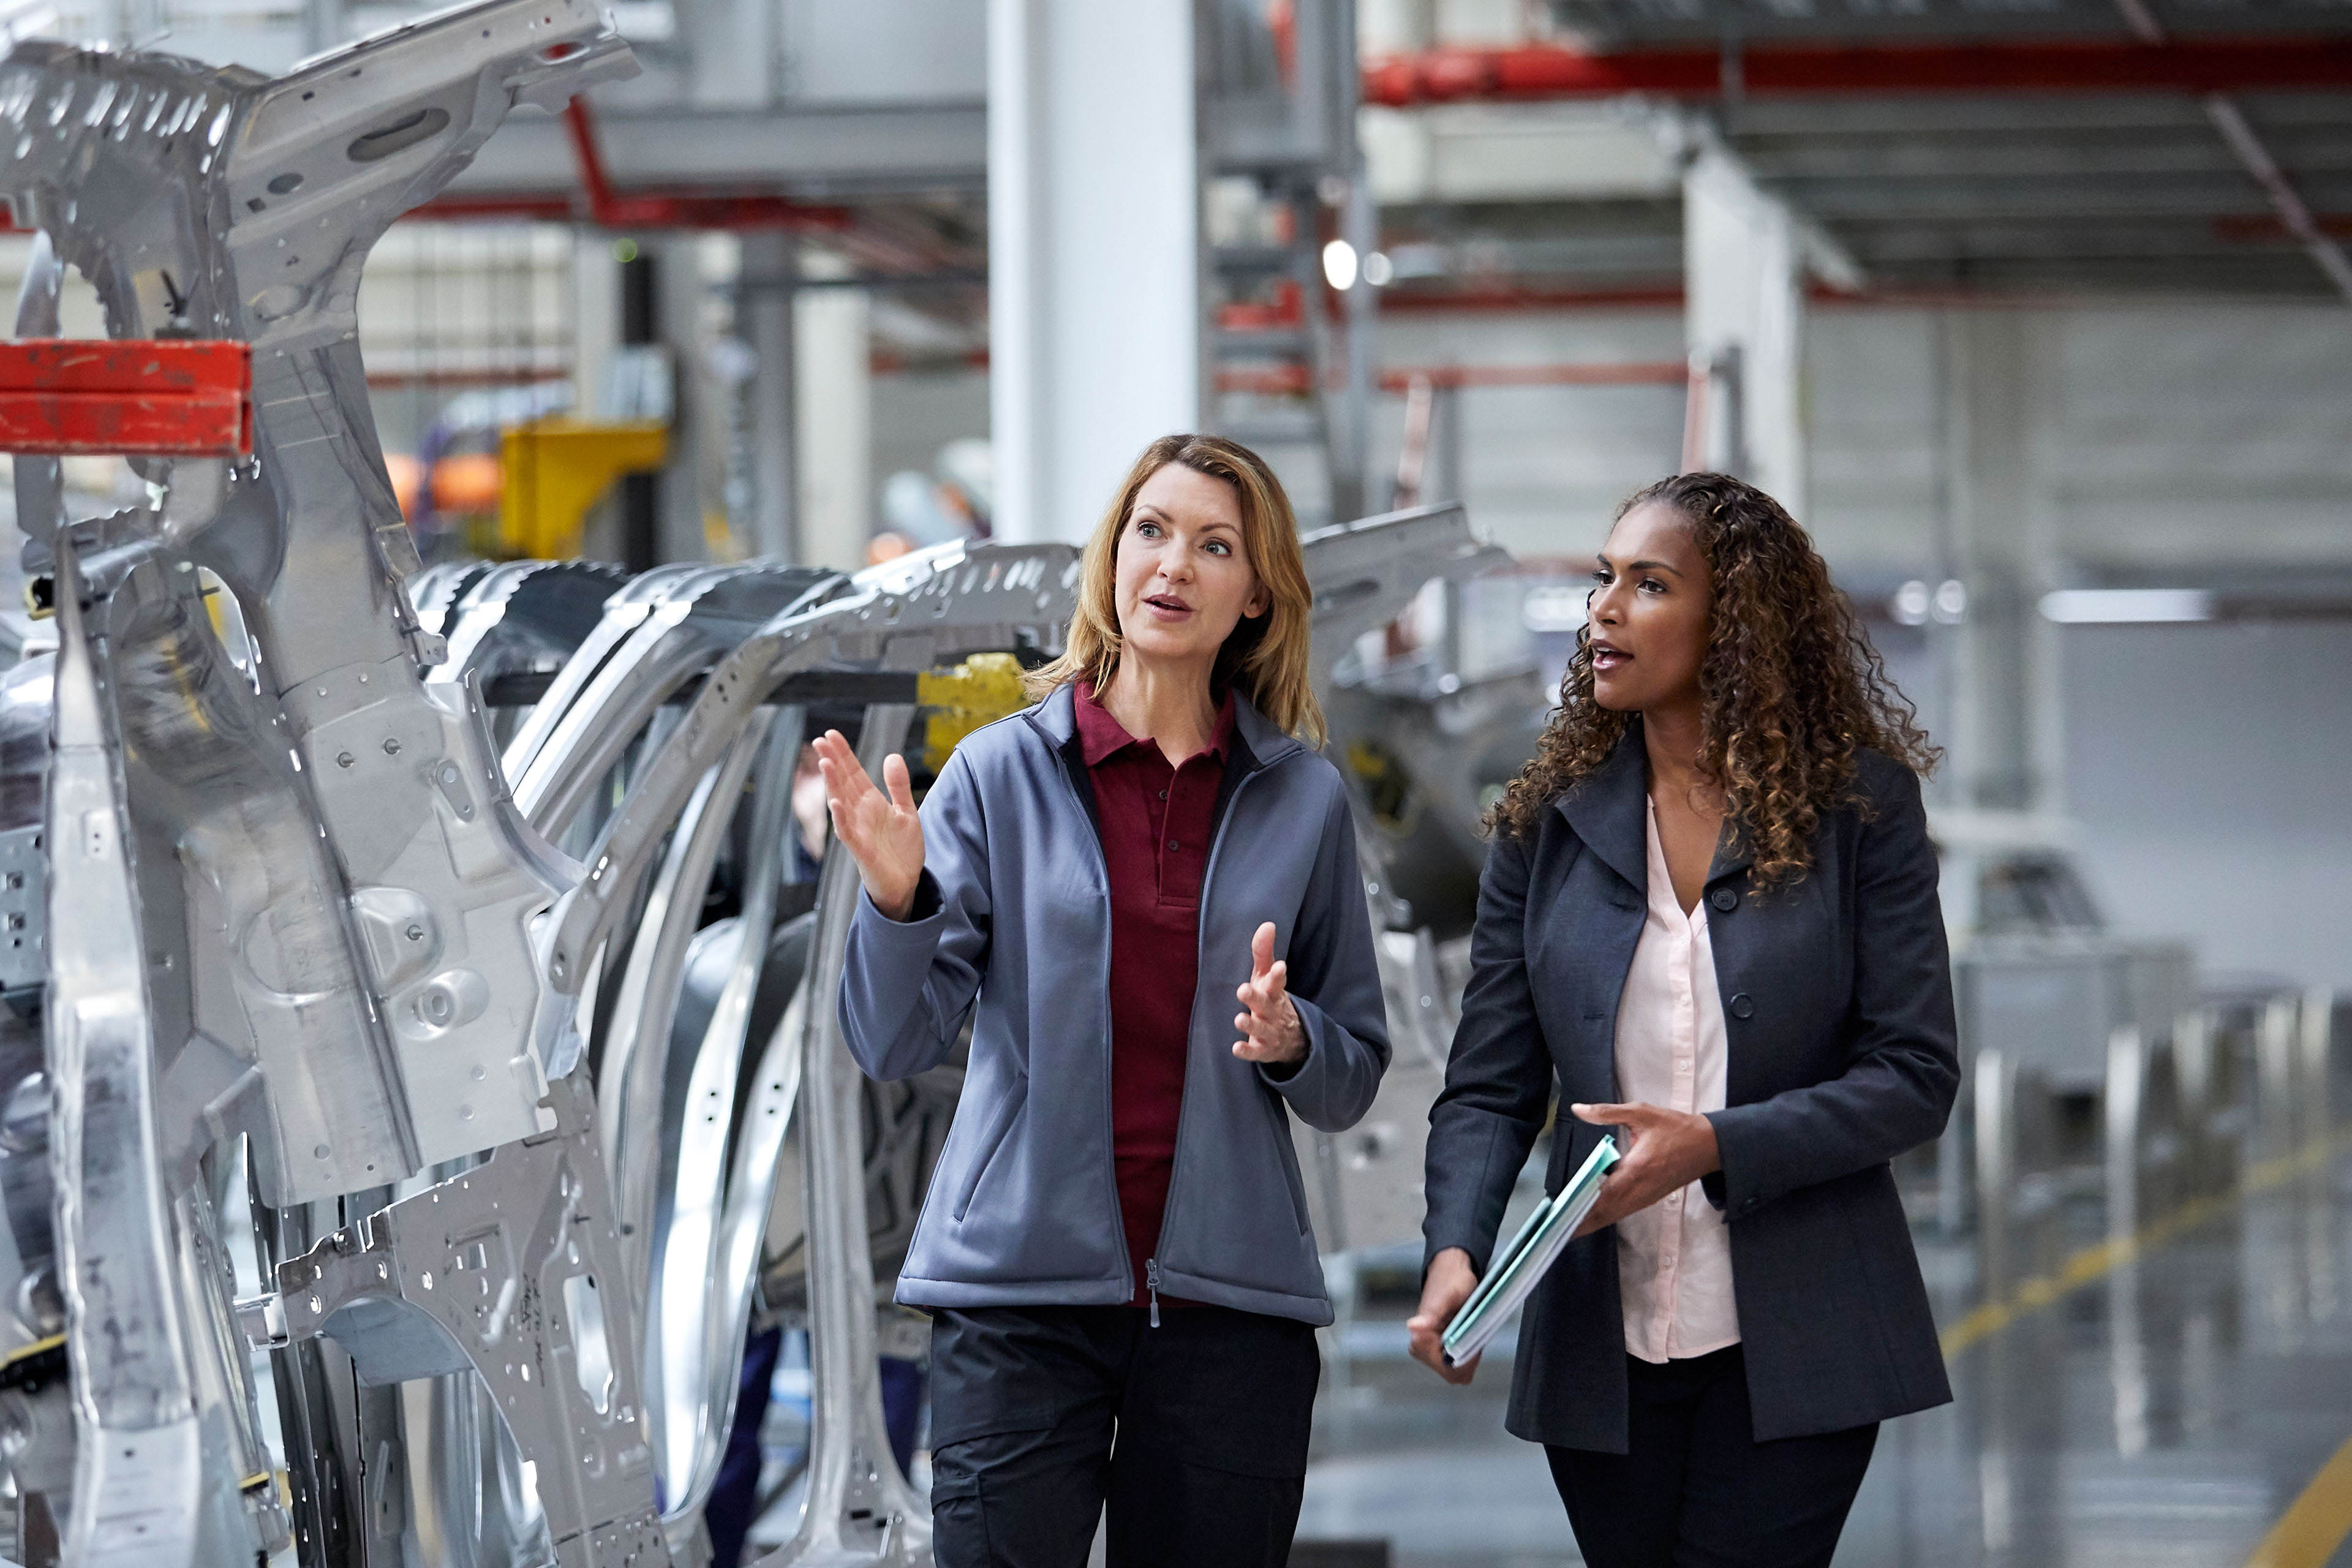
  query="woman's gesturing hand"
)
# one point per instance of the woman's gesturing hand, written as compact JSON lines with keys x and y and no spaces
{"x":1271,"y":1031}
{"x":882,"y":832}
{"x":1670,"y":1149}
{"x":1451,"y":1281}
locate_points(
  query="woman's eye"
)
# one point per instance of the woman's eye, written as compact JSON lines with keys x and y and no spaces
{"x":1147,"y":530}
{"x":1220,"y":547}
{"x":1600,"y":579}
{"x":1654,"y":586}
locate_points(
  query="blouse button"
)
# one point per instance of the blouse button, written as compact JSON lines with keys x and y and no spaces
{"x":1163,"y":795}
{"x":1173,"y":844}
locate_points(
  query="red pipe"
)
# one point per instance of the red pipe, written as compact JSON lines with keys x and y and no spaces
{"x":1294,"y":380}
{"x":1638,"y":372}
{"x":1546,"y":71}
{"x":609,"y":208}
{"x":1516,"y":297}
{"x":2267,"y":228}
{"x":615,"y":209}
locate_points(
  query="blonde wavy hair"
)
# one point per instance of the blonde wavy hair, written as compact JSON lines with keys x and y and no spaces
{"x":1265,"y":658}
{"x":1792,"y":690}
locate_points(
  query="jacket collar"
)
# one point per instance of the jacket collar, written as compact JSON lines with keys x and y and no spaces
{"x":1100,"y":734}
{"x":1256,"y":741}
{"x":1608,"y":808}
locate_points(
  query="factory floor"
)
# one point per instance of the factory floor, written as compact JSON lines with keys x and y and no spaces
{"x":2160,"y":1386}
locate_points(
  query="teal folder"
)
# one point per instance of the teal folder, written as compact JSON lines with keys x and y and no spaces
{"x":1515,"y":1269}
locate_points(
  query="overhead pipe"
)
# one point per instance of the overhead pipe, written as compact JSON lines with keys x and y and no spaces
{"x":1294,"y":380}
{"x":1536,"y":72}
{"x":609,"y":207}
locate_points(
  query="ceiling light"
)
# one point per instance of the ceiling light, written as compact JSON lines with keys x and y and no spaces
{"x":1340,"y":266}
{"x":2113,"y":607}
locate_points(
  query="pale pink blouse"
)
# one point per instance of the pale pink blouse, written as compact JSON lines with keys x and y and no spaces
{"x":1673,"y":1258}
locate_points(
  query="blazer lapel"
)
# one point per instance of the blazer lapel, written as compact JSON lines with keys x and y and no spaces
{"x":1607,"y":810}
{"x":1733,"y":855}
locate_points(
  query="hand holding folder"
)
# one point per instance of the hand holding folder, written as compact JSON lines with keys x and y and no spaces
{"x":1518,"y":1267}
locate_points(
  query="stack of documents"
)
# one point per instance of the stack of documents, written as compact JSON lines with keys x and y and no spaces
{"x":1518,"y":1267}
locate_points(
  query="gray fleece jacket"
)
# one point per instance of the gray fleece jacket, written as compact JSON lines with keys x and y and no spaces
{"x":1014,"y":911}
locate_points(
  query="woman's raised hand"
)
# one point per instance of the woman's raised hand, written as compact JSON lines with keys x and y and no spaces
{"x":882,"y":832}
{"x":1271,"y":1029}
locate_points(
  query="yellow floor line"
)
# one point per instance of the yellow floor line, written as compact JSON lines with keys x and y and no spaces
{"x":2318,"y":1520}
{"x":2092,"y":1264}
{"x":2308,"y":1534}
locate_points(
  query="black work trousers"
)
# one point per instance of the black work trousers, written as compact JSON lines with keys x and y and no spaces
{"x":1193,"y":1434}
{"x":1696,"y":1489}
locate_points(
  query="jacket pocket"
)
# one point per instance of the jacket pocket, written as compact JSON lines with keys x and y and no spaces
{"x":1006,"y":1114}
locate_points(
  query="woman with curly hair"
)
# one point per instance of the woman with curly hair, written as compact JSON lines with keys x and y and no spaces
{"x":1709,"y":914}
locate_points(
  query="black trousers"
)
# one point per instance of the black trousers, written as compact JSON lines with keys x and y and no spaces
{"x":1193,"y":1434}
{"x":1696,"y":1489}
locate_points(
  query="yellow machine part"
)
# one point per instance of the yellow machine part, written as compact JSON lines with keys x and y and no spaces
{"x":555,"y":470}
{"x":980,"y":690}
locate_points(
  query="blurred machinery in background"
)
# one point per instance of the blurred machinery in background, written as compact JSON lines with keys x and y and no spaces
{"x":418,"y":1058}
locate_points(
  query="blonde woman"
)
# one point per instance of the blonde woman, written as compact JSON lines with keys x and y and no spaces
{"x":1149,"y":883}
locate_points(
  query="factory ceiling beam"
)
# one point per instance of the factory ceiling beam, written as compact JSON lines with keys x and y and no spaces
{"x":1535,"y":72}
{"x":2199,"y":199}
{"x":2247,"y":145}
{"x":833,"y":155}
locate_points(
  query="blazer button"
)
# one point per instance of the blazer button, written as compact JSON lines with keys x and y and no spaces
{"x":1743,"y":1006}
{"x":1724,"y":899}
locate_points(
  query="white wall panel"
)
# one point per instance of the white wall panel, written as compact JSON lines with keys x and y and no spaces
{"x":1545,"y":466}
{"x":885,"y":52}
{"x":2207,"y":767}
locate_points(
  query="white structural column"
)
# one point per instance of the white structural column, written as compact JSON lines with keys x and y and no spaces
{"x":833,"y":377}
{"x":595,"y":323}
{"x":2001,"y":657}
{"x":1744,"y":279}
{"x":1094,"y":239}
{"x":682,"y":296}
{"x":765,"y":318}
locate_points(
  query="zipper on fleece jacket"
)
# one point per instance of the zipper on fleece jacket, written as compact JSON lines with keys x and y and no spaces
{"x":1102,"y":860}
{"x":1151,"y":1284}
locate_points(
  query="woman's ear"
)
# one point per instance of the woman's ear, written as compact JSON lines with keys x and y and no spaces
{"x":1261,"y":600}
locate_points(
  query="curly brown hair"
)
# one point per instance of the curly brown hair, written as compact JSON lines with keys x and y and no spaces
{"x":1794,"y":690}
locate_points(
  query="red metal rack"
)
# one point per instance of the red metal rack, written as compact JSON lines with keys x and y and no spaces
{"x":127,"y":396}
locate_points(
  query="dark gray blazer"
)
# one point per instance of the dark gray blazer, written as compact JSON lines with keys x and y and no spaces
{"x":1837,"y":999}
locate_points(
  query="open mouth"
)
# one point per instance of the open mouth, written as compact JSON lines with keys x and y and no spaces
{"x":1607,"y":657}
{"x":1167,"y":605}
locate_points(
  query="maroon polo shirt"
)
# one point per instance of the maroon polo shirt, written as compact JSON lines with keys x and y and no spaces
{"x":1155,"y":822}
